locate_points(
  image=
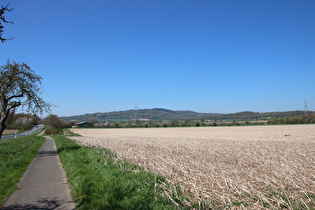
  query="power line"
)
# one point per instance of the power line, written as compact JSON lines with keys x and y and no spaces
{"x":305,"y":106}
{"x":136,"y":113}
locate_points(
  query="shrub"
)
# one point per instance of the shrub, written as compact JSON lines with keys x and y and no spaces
{"x":157,"y":125}
{"x":182,"y":124}
{"x":129,"y":123}
{"x":165,"y":124}
{"x":66,"y":125}
{"x":173,"y":123}
{"x":116,"y":124}
{"x":306,"y":121}
{"x":50,"y":131}
{"x":48,"y":128}
{"x":293,"y":120}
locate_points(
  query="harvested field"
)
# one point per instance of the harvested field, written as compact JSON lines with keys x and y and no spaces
{"x":253,"y":167}
{"x":9,"y":131}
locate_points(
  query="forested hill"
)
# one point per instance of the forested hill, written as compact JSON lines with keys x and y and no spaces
{"x":165,"y":114}
{"x":263,"y":115}
{"x":152,"y":114}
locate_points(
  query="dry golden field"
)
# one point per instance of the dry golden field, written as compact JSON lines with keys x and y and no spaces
{"x":9,"y":131}
{"x":243,"y":167}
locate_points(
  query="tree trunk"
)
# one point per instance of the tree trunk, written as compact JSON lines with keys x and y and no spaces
{"x":2,"y":127}
{"x":4,"y":118}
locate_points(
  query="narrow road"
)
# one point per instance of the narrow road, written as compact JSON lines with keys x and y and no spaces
{"x":35,"y":129}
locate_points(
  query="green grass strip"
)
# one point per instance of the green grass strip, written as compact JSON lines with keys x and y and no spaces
{"x":71,"y":133}
{"x":15,"y":156}
{"x":100,"y":180}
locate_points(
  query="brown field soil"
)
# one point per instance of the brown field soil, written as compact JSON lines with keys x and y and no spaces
{"x":9,"y":131}
{"x":253,"y":166}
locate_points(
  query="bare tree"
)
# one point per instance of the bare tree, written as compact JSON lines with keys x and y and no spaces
{"x":3,"y":10}
{"x":20,"y":87}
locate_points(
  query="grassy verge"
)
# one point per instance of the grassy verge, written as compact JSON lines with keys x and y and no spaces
{"x":7,"y":134}
{"x":15,"y":156}
{"x":71,"y":133}
{"x":100,"y":180}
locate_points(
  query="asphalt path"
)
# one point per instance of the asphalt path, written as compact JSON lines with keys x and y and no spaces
{"x":35,"y":129}
{"x":44,"y":183}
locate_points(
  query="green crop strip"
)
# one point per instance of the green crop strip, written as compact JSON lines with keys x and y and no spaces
{"x":100,"y":180}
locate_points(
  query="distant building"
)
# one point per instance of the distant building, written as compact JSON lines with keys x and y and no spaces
{"x":144,"y":120}
{"x":84,"y":125}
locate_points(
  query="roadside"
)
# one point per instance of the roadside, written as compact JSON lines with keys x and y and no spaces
{"x":9,"y":132}
{"x":34,"y":130}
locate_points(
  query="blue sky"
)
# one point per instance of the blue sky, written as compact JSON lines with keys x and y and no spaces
{"x":206,"y":56}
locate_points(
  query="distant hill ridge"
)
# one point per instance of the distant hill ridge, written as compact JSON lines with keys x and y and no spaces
{"x":166,"y":114}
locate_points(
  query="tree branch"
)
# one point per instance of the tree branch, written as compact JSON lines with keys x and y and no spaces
{"x":16,"y":104}
{"x":15,"y":96}
{"x":3,"y":10}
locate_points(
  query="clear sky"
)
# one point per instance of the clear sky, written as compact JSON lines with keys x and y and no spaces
{"x":205,"y":56}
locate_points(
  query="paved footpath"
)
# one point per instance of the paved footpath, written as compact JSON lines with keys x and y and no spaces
{"x":44,"y":184}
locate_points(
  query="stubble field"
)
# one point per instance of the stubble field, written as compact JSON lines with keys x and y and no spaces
{"x":9,"y":131}
{"x":250,"y":167}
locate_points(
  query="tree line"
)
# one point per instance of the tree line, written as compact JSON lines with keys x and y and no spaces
{"x":305,"y":119}
{"x":23,"y":122}
{"x":94,"y":123}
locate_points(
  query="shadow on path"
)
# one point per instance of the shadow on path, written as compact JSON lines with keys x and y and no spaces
{"x":42,"y":203}
{"x":47,"y":153}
